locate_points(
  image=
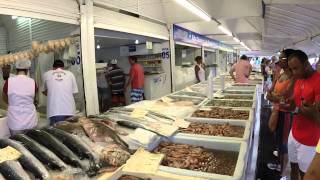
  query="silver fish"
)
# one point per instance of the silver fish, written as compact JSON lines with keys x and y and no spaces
{"x":12,"y":170}
{"x":27,"y":160}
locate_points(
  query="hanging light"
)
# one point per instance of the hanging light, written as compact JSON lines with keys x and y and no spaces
{"x":236,"y":39}
{"x":224,"y":30}
{"x":136,"y":41}
{"x":188,"y":4}
{"x":98,"y":46}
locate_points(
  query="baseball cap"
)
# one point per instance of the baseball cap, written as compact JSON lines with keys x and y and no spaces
{"x":23,"y":64}
{"x":113,"y":61}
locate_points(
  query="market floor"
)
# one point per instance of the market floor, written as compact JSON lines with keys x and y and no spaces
{"x":266,"y":148}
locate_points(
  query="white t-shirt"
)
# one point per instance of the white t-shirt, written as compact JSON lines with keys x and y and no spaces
{"x":61,"y":86}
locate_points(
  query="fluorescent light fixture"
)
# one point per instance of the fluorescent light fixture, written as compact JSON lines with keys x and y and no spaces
{"x":236,"y":39}
{"x":248,"y":48}
{"x":98,"y":46}
{"x":188,"y":4}
{"x":224,"y":30}
{"x":14,"y":17}
{"x":136,"y":41}
{"x":242,"y":44}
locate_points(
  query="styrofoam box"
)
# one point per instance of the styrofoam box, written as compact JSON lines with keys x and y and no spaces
{"x":213,"y":144}
{"x":252,"y":97}
{"x":250,"y":119}
{"x":189,"y":98}
{"x":159,"y":175}
{"x":245,"y":124}
{"x":184,"y":93}
{"x":251,"y":107}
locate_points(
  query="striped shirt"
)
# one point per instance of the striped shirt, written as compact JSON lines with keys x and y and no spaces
{"x":117,"y":81}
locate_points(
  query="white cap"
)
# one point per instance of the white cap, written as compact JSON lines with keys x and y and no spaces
{"x":23,"y":64}
{"x":113,"y":61}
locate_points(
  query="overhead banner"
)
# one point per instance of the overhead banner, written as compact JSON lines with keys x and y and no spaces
{"x":184,"y":35}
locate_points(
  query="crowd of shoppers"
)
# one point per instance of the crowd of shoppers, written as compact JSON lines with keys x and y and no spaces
{"x":295,"y":118}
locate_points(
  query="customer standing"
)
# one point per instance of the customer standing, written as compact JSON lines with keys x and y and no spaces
{"x":136,"y":80}
{"x":103,"y":88}
{"x":59,"y":85}
{"x":116,"y":80}
{"x":280,"y":119}
{"x":305,"y":131}
{"x":19,"y":92}
{"x":318,"y":66}
{"x":242,"y":69}
{"x":200,"y":69}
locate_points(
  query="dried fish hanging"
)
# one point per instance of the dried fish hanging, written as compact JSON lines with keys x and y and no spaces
{"x":37,"y":48}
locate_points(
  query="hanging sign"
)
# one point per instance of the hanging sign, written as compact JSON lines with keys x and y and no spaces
{"x":184,"y":35}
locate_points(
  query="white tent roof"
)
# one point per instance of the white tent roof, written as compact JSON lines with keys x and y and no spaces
{"x":265,"y":29}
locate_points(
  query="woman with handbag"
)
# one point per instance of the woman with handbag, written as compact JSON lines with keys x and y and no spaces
{"x":280,"y":119}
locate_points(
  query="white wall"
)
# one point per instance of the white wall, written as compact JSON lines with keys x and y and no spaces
{"x":3,"y":40}
{"x":185,"y":76}
{"x":106,"y":54}
{"x":22,"y":31}
{"x":149,"y":8}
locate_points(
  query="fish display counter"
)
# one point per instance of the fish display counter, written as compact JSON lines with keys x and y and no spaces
{"x":80,"y":148}
{"x":198,"y":138}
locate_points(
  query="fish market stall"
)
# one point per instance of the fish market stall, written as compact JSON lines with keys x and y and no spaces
{"x":196,"y":138}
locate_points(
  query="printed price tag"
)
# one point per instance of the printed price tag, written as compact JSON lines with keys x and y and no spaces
{"x":9,"y":153}
{"x":143,"y":162}
{"x":139,"y":113}
{"x":179,"y":122}
{"x":166,"y":99}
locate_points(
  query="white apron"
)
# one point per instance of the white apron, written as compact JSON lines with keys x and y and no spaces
{"x":201,"y":74}
{"x":22,"y":113}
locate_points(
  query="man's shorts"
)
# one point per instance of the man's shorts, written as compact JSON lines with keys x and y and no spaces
{"x":136,"y":95}
{"x":299,"y":153}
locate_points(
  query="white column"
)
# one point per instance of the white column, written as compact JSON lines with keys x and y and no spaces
{"x":172,"y":60}
{"x":88,"y":58}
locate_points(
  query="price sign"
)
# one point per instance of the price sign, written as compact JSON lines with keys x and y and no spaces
{"x":165,"y":54}
{"x":139,"y":113}
{"x":9,"y":153}
{"x":179,"y":122}
{"x":143,"y":162}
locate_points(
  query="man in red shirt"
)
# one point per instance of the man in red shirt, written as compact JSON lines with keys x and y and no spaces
{"x":305,"y":131}
{"x":136,"y":79}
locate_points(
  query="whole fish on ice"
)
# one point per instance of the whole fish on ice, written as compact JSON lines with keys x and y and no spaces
{"x":56,"y":147}
{"x":27,"y":160}
{"x":12,"y":170}
{"x":42,"y":153}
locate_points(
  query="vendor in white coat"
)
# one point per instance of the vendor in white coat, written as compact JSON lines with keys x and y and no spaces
{"x":19,"y":93}
{"x":59,"y":85}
